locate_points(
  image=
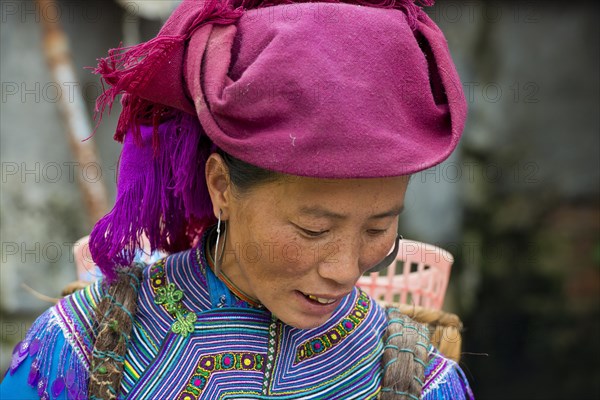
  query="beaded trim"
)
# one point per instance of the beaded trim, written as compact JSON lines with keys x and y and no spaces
{"x":271,"y":353}
{"x":170,"y":297}
{"x":210,"y":364}
{"x":334,"y":336}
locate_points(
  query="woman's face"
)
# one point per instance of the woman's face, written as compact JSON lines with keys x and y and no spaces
{"x":300,"y":244}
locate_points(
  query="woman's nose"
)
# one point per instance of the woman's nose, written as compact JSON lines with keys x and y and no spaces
{"x":341,"y":264}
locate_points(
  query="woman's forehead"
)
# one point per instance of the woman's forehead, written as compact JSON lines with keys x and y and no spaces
{"x":324,"y":185}
{"x":334,"y":198}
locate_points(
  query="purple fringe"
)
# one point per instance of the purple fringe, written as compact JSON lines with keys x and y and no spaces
{"x":161,"y":194}
{"x":71,"y":375}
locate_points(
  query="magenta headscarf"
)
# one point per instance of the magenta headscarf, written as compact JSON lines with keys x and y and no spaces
{"x":321,"y":89}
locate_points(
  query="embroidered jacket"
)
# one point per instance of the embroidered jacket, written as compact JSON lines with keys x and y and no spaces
{"x":194,"y":339}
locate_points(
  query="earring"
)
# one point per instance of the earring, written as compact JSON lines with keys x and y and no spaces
{"x":390,"y":258}
{"x":217,"y":259}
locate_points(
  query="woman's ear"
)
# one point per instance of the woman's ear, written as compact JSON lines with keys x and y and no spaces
{"x":219,"y":185}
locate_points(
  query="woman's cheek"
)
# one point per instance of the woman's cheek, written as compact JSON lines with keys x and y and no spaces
{"x":378,"y":251}
{"x":295,"y":259}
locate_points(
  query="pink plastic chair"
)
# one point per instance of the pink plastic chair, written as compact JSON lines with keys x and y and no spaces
{"x":419,"y":276}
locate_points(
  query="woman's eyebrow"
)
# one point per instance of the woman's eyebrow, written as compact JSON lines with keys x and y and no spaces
{"x":320,"y":212}
{"x":393,"y":212}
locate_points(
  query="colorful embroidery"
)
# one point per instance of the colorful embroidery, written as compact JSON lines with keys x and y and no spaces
{"x":444,"y":379}
{"x":210,"y":364}
{"x":335,"y":335}
{"x":170,"y":297}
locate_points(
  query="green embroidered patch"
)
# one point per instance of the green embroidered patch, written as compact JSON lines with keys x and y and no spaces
{"x":170,"y":297}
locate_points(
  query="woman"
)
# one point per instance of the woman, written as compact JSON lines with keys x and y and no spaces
{"x":268,"y":149}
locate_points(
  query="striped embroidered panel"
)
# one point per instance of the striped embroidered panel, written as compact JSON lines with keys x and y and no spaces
{"x":242,"y":352}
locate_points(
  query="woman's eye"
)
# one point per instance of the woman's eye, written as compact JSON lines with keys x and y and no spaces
{"x":376,"y":232}
{"x":313,"y":233}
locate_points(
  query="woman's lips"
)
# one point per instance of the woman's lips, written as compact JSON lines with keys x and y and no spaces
{"x":321,"y":300}
{"x":319,"y":303}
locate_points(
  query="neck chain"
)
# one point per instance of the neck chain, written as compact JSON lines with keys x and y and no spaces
{"x":254,"y":302}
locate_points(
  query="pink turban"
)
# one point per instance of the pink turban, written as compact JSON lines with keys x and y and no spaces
{"x":321,"y":89}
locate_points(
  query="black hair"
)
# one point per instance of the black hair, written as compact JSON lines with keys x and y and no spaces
{"x":246,"y":177}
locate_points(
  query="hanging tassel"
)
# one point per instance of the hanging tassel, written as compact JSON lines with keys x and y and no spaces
{"x":162,"y":194}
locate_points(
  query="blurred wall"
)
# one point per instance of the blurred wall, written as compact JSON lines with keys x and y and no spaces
{"x":518,"y":204}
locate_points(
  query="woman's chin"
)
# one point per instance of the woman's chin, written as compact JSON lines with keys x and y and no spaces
{"x":305,"y":323}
